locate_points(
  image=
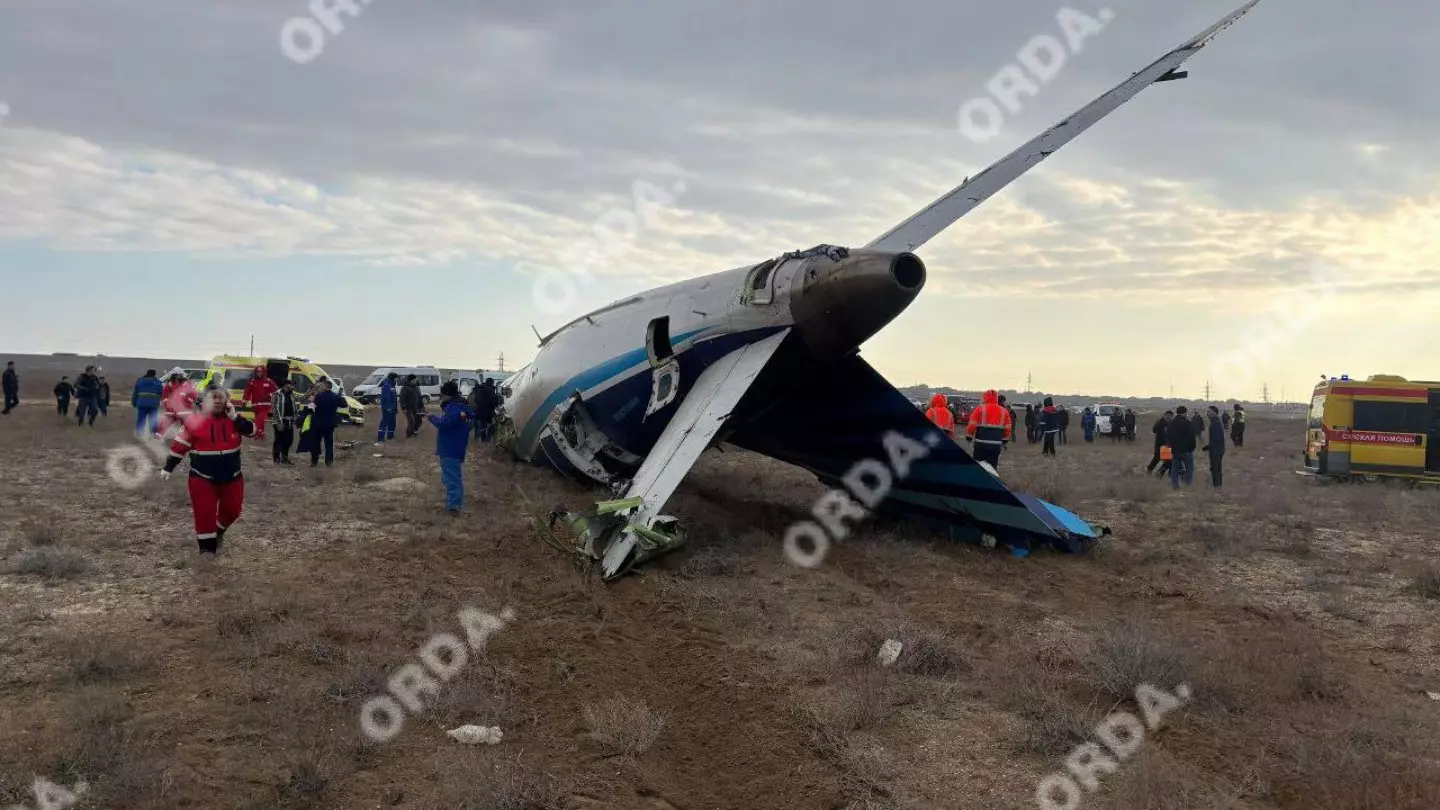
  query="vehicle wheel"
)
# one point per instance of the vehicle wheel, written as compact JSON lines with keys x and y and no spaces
{"x":1370,"y":479}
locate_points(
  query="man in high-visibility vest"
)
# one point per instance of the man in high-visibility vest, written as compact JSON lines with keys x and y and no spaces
{"x":939,"y":413}
{"x":989,"y":428}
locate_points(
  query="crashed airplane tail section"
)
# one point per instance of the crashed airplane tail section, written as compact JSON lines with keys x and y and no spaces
{"x":946,"y":487}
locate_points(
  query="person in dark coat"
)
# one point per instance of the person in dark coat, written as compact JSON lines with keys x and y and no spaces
{"x":1216,"y":445}
{"x":1197,"y":424}
{"x":87,"y":392}
{"x":1237,"y":426}
{"x":483,"y":402}
{"x":1064,"y":420}
{"x":413,"y":404}
{"x":103,"y":398}
{"x":1030,"y":423}
{"x":12,"y":388}
{"x":285,"y":411}
{"x":323,"y":422}
{"x":1006,"y":405}
{"x":1161,"y":425}
{"x":63,"y":392}
{"x":1049,"y":426}
{"x":1130,"y":420}
{"x":1180,"y":435}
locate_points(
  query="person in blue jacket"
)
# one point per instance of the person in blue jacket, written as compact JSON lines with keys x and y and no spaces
{"x":145,"y":399}
{"x":389,"y":408}
{"x":1087,"y":424}
{"x":452,"y":437}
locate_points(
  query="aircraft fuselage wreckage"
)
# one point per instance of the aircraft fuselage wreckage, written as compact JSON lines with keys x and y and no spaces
{"x":630,"y":395}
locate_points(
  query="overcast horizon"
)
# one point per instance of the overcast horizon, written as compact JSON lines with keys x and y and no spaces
{"x":171,"y":182}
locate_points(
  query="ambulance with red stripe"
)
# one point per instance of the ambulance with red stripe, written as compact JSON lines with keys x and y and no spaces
{"x":1383,"y":427}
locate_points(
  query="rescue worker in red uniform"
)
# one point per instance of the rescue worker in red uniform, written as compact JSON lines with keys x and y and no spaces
{"x":177,"y":401}
{"x":989,"y":428}
{"x":939,"y":413}
{"x":211,"y":439}
{"x":257,"y":395}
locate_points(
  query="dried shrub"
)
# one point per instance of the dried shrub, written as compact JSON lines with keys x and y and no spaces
{"x":1426,"y":582}
{"x":625,"y":724}
{"x":53,"y":562}
{"x":1129,"y":655}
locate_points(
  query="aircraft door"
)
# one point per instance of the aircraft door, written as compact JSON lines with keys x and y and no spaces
{"x":1432,"y":441}
{"x":665,"y":377}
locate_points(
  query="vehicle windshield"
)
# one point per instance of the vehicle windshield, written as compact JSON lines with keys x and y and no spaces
{"x":1317,"y":412}
{"x":374,"y":379}
{"x":1106,"y":410}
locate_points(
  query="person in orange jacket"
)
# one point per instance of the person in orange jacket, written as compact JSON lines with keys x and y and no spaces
{"x":257,"y":393}
{"x":989,"y":428}
{"x":939,"y":413}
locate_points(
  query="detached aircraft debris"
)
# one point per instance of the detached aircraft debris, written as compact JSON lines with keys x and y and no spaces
{"x":631,"y":394}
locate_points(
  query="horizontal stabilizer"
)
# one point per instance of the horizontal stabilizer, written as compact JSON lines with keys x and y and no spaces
{"x":830,"y":435}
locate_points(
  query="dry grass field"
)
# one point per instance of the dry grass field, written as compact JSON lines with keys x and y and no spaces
{"x":1302,"y":616}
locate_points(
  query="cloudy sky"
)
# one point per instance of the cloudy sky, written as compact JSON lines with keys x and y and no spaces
{"x":171,"y":182}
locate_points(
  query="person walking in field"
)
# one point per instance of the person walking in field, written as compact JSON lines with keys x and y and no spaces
{"x":939,"y":414}
{"x":1130,"y":420}
{"x":1161,"y":438}
{"x":145,"y":398}
{"x":452,"y":437}
{"x":989,"y":428}
{"x":177,"y":401}
{"x":1180,"y":435}
{"x":1237,"y":426}
{"x":1064,"y":416}
{"x":1030,"y":424}
{"x":211,"y":440}
{"x":1215,"y":445}
{"x":103,"y":399}
{"x":11,"y":384}
{"x":258,"y":393}
{"x":63,"y":392}
{"x":285,"y":412}
{"x":87,"y":392}
{"x":1087,"y":424}
{"x":389,"y":407}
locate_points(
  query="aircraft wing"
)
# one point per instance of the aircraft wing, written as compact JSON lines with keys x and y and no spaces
{"x":946,"y":487}
{"x":695,"y":424}
{"x":941,"y":214}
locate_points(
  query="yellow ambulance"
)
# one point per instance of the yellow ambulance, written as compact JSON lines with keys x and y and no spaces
{"x":233,"y":372}
{"x":1382,"y":427}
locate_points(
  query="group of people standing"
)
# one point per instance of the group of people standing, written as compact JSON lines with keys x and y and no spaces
{"x":90,"y":391}
{"x":1178,"y":433}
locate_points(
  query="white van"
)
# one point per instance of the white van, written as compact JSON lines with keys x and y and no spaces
{"x":368,"y":391}
{"x":469,"y":379}
{"x":1103,"y":412}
